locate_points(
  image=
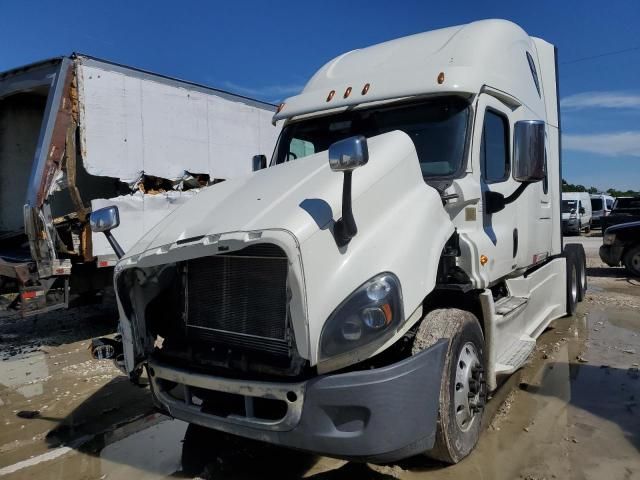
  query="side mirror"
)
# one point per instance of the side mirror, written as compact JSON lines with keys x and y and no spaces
{"x":348,"y":154}
{"x":104,"y":220}
{"x":259,"y":162}
{"x":582,"y":211}
{"x":528,"y":151}
{"x":345,"y":156}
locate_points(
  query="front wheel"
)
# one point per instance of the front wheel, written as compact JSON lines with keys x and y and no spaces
{"x":463,"y":387}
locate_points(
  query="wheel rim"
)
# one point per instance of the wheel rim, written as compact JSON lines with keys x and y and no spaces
{"x":574,"y":284}
{"x":469,"y":389}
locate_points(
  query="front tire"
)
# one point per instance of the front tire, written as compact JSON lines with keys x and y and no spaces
{"x":463,"y":387}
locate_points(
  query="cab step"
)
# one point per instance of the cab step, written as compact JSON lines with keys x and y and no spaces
{"x":507,"y":306}
{"x":515,"y":355}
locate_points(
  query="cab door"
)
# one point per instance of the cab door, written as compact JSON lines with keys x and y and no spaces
{"x":492,"y":152}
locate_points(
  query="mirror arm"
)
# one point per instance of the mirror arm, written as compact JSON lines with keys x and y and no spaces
{"x":516,"y":194}
{"x":345,"y":228}
{"x":114,"y":244}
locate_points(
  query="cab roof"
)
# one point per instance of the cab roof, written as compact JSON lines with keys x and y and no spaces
{"x":487,"y":53}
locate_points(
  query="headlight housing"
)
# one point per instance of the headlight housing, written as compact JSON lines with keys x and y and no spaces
{"x":370,"y":314}
{"x":609,"y":238}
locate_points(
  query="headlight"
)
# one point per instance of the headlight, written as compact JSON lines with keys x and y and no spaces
{"x":370,"y":314}
{"x":609,"y":238}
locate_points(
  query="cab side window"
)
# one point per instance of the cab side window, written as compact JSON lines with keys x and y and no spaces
{"x":494,"y":149}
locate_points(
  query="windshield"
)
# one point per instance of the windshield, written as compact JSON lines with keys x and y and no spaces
{"x":596,"y":204}
{"x":437,"y":127}
{"x":568,"y":205}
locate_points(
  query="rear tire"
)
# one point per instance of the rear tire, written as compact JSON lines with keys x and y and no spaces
{"x":572,"y":282}
{"x":463,"y":387}
{"x":631,"y":260}
{"x":580,"y":257}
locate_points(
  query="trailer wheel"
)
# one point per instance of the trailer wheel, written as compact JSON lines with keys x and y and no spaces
{"x":463,"y":390}
{"x":631,"y":260}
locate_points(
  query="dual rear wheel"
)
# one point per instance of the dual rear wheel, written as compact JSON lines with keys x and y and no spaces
{"x":576,"y":268}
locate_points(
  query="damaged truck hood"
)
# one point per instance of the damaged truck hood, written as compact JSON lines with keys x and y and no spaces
{"x":301,"y":196}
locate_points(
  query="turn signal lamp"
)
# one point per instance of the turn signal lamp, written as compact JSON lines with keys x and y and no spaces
{"x":483,"y":259}
{"x":330,"y":96}
{"x":440,"y":78}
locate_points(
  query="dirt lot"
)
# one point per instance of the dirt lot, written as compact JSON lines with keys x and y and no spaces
{"x":572,"y":412}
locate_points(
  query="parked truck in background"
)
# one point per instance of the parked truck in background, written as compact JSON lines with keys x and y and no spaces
{"x":601,"y":206}
{"x":400,"y":255}
{"x":77,"y":133}
{"x":621,"y":246}
{"x":576,"y":212}
{"x":625,"y":210}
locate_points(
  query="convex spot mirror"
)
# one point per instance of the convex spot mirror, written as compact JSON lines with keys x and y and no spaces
{"x":348,"y":154}
{"x":104,"y":219}
{"x":259,"y":162}
{"x":528,"y":151}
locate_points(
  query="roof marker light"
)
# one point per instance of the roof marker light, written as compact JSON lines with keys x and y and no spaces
{"x":365,"y":89}
{"x":440,"y":78}
{"x":280,"y":107}
{"x":483,"y":259}
{"x":330,"y":96}
{"x":347,"y":92}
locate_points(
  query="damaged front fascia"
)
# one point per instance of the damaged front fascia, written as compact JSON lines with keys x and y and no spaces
{"x":138,"y":288}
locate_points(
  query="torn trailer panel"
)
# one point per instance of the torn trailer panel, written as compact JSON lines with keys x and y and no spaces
{"x":77,"y":133}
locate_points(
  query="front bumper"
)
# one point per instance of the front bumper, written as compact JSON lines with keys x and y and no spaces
{"x":611,"y":254}
{"x":381,"y":415}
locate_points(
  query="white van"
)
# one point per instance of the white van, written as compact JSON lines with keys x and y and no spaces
{"x":601,"y":205}
{"x":576,"y":212}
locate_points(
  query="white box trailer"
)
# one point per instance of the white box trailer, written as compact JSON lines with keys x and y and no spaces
{"x":400,"y":255}
{"x":78,"y":132}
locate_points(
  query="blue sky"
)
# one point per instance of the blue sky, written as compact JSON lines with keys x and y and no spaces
{"x":268,"y":49}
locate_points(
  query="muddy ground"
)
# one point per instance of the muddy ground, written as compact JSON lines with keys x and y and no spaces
{"x":572,"y":412}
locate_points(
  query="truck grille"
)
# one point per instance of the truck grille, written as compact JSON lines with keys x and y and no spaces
{"x":239,"y":298}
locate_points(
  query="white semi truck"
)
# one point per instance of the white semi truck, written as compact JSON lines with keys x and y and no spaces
{"x":362,"y":295}
{"x":78,"y":133}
